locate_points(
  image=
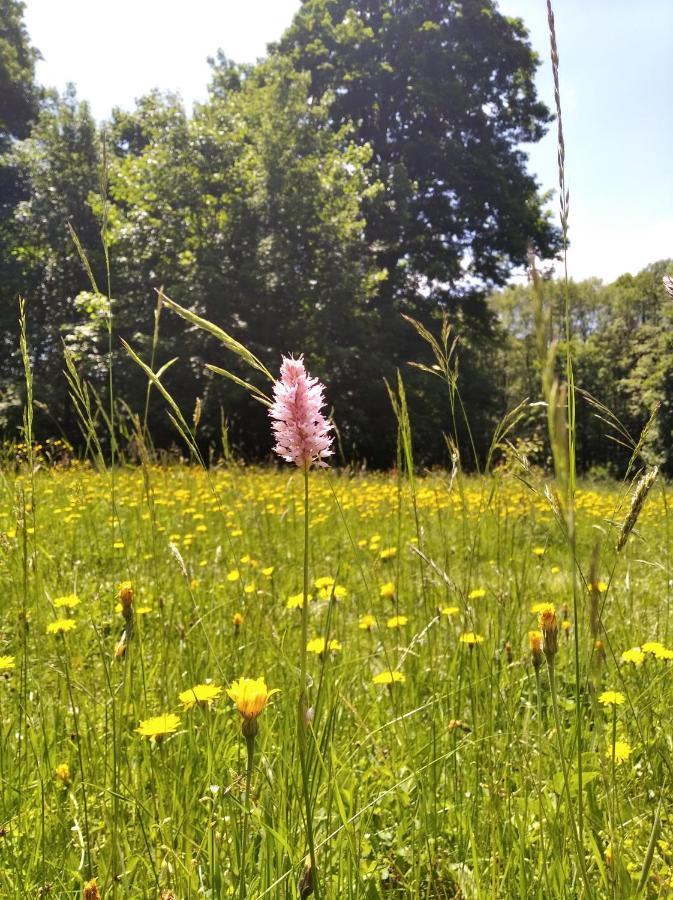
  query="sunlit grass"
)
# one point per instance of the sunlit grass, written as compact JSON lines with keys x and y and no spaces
{"x":434,"y":762}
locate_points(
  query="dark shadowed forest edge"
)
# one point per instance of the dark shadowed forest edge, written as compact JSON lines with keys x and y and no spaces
{"x":372,"y":166}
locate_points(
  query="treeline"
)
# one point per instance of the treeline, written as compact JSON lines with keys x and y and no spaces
{"x":369,"y":168}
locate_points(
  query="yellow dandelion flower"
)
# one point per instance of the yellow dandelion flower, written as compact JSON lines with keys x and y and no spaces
{"x":157,"y":727}
{"x":397,"y":621}
{"x":296,"y":601}
{"x":7,"y":663}
{"x":388,"y":553}
{"x":62,"y":772}
{"x":234,"y":575}
{"x":611,"y":698}
{"x":367,"y":622}
{"x":60,"y":626}
{"x":268,"y":571}
{"x":471,"y":639}
{"x":555,"y":570}
{"x":635,"y":655}
{"x":621,"y":751}
{"x":250,"y":696}
{"x":600,"y":587}
{"x":387,"y":590}
{"x":238,"y":619}
{"x":476,"y":594}
{"x":538,"y":608}
{"x":336,"y":591}
{"x":663,"y":653}
{"x":324,"y":582}
{"x":652,"y":647}
{"x":204,"y":694}
{"x":68,"y":601}
{"x":389,"y":678}
{"x":538,"y":551}
{"x":249,"y":589}
{"x":448,"y":610}
{"x":318,"y":645}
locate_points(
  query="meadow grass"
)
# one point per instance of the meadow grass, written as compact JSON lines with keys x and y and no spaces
{"x":445,"y":782}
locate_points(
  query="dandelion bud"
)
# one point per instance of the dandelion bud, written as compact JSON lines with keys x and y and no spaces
{"x":549,"y":629}
{"x":535,"y":644}
{"x":62,"y":772}
{"x":91,"y":890}
{"x":599,"y":651}
{"x":305,"y":885}
{"x":237,"y":620}
{"x":126,"y":598}
{"x":249,"y":729}
{"x":509,"y":656}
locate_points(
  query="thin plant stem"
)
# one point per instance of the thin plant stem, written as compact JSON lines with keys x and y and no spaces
{"x":302,"y":723}
{"x":551,"y":668}
{"x":250,"y":745}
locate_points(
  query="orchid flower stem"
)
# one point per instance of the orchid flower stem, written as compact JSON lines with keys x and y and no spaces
{"x":302,"y":720}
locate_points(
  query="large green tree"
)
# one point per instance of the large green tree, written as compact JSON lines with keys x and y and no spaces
{"x":443,"y":92}
{"x":250,"y":214}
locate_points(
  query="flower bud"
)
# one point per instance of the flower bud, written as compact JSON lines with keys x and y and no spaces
{"x":549,"y":629}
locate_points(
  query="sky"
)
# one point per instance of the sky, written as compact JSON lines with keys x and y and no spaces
{"x":616,"y":74}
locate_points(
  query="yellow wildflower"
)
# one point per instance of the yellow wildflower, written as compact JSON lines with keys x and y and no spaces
{"x":205,"y":694}
{"x":68,"y":601}
{"x":62,"y":772}
{"x":476,"y":594}
{"x":250,"y":696}
{"x":296,"y":601}
{"x":367,"y":622}
{"x":7,"y":663}
{"x":621,"y":751}
{"x":387,"y":590}
{"x":325,"y":581}
{"x":318,"y":645}
{"x":389,"y":678}
{"x":60,"y":626}
{"x":158,"y":727}
{"x":615,"y":698}
{"x":397,"y":621}
{"x":388,"y":553}
{"x":471,"y":638}
{"x":635,"y":655}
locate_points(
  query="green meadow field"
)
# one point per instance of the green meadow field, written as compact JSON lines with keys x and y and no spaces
{"x":442,"y":758}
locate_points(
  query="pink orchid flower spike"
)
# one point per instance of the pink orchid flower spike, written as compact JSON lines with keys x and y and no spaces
{"x":301,"y":430}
